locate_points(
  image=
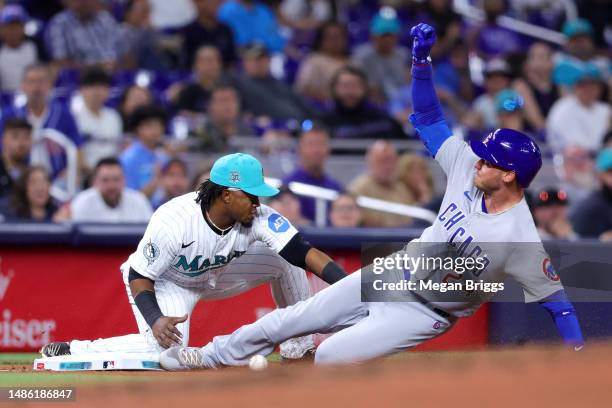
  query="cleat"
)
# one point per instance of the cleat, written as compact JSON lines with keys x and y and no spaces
{"x":58,"y":348}
{"x":180,"y":358}
{"x":297,"y":348}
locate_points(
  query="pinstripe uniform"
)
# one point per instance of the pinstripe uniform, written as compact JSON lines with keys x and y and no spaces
{"x":190,"y":260}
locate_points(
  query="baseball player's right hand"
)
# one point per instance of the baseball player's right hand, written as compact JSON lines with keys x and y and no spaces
{"x":165,"y":331}
{"x":423,"y":39}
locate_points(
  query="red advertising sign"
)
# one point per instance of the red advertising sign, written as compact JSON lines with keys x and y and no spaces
{"x":50,"y":294}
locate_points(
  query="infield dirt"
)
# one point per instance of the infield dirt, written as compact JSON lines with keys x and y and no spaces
{"x":542,"y":376}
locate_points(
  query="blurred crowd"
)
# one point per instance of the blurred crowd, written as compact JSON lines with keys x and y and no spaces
{"x":132,"y":86}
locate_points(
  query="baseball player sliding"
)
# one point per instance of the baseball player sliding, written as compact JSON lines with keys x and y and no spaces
{"x":483,"y":215}
{"x":214,"y":243}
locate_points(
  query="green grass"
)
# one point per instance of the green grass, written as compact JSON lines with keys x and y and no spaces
{"x":18,"y":358}
{"x":56,"y":379}
{"x":11,"y":379}
{"x":33,"y":379}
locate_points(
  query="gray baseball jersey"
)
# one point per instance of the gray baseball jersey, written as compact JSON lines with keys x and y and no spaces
{"x":507,"y":243}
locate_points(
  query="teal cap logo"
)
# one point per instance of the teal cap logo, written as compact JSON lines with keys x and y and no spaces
{"x":242,"y":171}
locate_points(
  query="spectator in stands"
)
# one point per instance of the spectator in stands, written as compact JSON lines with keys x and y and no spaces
{"x":440,"y":15}
{"x":84,"y":34}
{"x":305,"y":14}
{"x":351,"y":116}
{"x":43,"y":113}
{"x":575,"y":168}
{"x":142,"y":160}
{"x":579,"y":49}
{"x":109,"y":200}
{"x":383,"y":59}
{"x":592,"y":217}
{"x":264,"y":95}
{"x":510,"y":114}
{"x":252,"y":21}
{"x":16,"y":148}
{"x":497,"y":77}
{"x":381,"y":181}
{"x":206,"y":29}
{"x":579,"y":118}
{"x":223,"y":122}
{"x":490,"y":39}
{"x":452,"y":75}
{"x":201,"y":176}
{"x":345,"y":213}
{"x":100,"y":125}
{"x":207,"y":71}
{"x":536,"y":86}
{"x":288,"y":205}
{"x":173,"y":182}
{"x":16,"y":51}
{"x":313,"y":152}
{"x":329,"y":53}
{"x":133,"y":98}
{"x":30,"y":199}
{"x":171,"y":15}
{"x":550,"y":215}
{"x":416,"y":176}
{"x":139,"y":46}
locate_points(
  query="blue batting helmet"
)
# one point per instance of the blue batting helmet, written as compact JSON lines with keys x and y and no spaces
{"x":511,"y":150}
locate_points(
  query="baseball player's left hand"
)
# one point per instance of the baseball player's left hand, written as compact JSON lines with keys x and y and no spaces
{"x":165,"y":331}
{"x":423,"y":39}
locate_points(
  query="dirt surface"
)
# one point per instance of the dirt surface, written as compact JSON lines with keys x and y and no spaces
{"x":527,"y":377}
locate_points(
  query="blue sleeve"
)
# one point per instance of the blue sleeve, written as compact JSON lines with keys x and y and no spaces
{"x":564,"y":316}
{"x":427,"y":118}
{"x":71,"y":129}
{"x":130,"y":170}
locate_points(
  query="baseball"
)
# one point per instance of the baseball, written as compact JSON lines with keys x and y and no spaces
{"x":258,"y":363}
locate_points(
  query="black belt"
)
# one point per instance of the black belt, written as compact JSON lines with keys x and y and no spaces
{"x":428,"y":305}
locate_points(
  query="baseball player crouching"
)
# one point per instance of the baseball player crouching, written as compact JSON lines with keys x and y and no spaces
{"x":214,"y":243}
{"x":483,"y":212}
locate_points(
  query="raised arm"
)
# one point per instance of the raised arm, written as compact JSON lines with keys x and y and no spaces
{"x":427,"y":118}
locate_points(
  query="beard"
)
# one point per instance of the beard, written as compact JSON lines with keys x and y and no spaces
{"x":112,"y":200}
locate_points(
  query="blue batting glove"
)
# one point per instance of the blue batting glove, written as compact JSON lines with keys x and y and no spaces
{"x":423,"y":38}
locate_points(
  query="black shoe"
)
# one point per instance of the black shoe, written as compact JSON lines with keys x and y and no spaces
{"x":58,"y":348}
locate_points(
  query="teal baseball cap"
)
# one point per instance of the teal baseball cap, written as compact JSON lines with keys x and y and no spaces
{"x":576,"y":27}
{"x":604,"y":160}
{"x":569,"y":72}
{"x":385,"y":22}
{"x":241,"y":171}
{"x":508,"y":100}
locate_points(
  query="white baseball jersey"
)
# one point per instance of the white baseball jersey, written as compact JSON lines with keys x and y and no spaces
{"x":508,"y":242}
{"x":181,"y":247}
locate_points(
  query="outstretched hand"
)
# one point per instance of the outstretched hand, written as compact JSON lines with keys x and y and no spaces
{"x":165,"y":331}
{"x":423,"y":38}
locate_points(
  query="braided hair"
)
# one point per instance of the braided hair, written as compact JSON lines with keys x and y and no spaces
{"x":208,"y":192}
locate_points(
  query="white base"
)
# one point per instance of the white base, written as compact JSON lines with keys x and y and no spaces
{"x":99,"y":362}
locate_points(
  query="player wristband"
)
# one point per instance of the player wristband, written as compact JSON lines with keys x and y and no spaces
{"x":147,"y":304}
{"x":332,"y":273}
{"x":424,"y":61}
